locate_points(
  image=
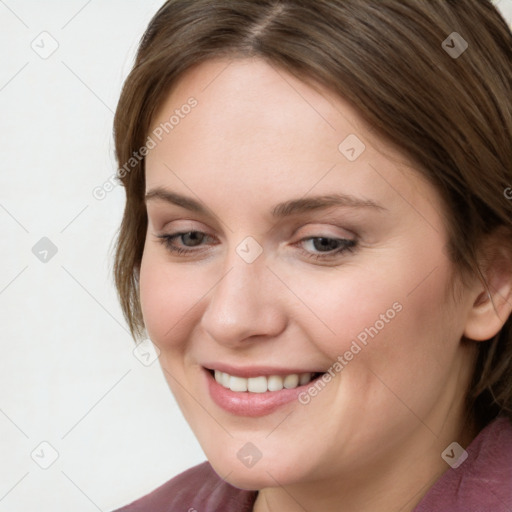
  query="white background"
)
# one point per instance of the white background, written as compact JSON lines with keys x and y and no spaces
{"x":68,"y":375}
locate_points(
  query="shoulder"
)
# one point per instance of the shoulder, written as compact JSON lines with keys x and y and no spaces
{"x":483,"y":481}
{"x":195,"y":490}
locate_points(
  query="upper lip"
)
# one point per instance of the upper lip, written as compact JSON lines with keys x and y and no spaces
{"x":256,"y":370}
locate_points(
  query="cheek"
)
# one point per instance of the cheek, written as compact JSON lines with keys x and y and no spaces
{"x":387,"y":320}
{"x":170,"y":299}
{"x":353,"y":305}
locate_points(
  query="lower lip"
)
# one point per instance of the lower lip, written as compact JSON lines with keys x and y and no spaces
{"x":251,"y":404}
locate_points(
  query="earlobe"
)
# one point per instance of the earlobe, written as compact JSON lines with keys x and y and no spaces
{"x":492,"y":304}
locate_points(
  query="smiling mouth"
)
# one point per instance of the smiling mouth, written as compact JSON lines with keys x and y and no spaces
{"x":262,"y":384}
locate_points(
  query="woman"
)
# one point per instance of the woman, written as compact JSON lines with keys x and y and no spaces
{"x":318,"y":239}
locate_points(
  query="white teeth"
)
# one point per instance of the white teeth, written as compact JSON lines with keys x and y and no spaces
{"x":262,"y":384}
{"x":275,"y":383}
{"x":224,"y":379}
{"x":237,"y":383}
{"x":291,"y":381}
{"x":257,"y":384}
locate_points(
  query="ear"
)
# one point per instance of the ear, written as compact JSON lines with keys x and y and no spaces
{"x":492,"y":299}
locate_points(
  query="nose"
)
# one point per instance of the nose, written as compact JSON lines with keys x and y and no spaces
{"x":245,"y":304}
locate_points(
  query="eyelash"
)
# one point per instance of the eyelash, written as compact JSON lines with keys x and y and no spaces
{"x":347,"y":245}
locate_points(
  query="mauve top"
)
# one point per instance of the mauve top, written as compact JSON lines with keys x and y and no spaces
{"x":482,"y":483}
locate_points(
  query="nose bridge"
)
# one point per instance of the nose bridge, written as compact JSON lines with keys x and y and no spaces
{"x":239,"y":284}
{"x":238,"y":293}
{"x":240,"y":304}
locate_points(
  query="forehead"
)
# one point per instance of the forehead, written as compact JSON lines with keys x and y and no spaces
{"x":255,"y":127}
{"x":253,"y":94}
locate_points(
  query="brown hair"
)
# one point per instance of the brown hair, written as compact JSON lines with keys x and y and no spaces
{"x":450,"y":114}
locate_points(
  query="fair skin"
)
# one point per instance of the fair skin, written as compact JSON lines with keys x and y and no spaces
{"x":372,"y":438}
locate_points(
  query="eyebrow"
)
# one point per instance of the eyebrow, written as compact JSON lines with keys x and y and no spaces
{"x":281,"y":210}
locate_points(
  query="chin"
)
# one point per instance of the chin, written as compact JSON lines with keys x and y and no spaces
{"x":260,"y":476}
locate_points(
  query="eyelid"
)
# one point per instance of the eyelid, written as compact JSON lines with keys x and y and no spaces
{"x":181,"y":225}
{"x":320,"y":231}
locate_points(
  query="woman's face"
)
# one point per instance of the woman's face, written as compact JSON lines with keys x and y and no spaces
{"x":308,"y":247}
